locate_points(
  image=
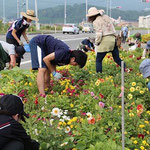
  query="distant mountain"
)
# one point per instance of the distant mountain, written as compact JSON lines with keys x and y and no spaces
{"x":45,"y":5}
{"x":76,"y":14}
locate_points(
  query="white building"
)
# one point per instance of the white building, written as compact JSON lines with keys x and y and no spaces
{"x":144,"y":21}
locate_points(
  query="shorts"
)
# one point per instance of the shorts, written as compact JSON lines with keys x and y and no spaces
{"x":37,"y":55}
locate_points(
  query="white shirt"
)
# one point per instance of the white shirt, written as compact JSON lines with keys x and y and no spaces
{"x":9,"y":48}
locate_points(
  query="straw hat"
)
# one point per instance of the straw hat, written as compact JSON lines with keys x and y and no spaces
{"x":30,"y":14}
{"x":92,"y":12}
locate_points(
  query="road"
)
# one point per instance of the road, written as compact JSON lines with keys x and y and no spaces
{"x":72,"y":40}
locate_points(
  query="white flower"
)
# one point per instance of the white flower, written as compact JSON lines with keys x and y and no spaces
{"x":63,"y":144}
{"x":67,"y":129}
{"x":62,"y":120}
{"x":68,"y":118}
{"x":36,"y":132}
{"x":51,"y":122}
{"x":66,"y":112}
{"x":89,"y":116}
{"x":64,"y":117}
{"x":55,"y":112}
{"x":42,"y":108}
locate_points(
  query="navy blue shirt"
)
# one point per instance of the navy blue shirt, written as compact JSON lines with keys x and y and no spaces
{"x":19,"y":26}
{"x":49,"y":44}
{"x":88,"y":43}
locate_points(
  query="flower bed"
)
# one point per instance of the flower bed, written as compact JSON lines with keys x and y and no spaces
{"x":83,"y":110}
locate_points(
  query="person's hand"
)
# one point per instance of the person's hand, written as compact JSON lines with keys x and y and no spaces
{"x":56,"y":75}
{"x":27,"y":41}
{"x":20,"y":43}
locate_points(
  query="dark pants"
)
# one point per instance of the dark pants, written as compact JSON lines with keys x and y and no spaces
{"x":124,"y":39}
{"x":15,"y":43}
{"x":14,"y":145}
{"x":100,"y":57}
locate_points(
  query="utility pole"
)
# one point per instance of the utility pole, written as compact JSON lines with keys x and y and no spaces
{"x":65,"y":15}
{"x":107,"y":10}
{"x":110,"y":9}
{"x":18,"y":9}
{"x":4,"y":21}
{"x":86,"y":10}
{"x":27,"y":5}
{"x":36,"y":13}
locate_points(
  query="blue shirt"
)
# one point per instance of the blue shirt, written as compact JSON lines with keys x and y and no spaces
{"x":88,"y":43}
{"x":125,"y":31}
{"x":49,"y":44}
{"x":19,"y":26}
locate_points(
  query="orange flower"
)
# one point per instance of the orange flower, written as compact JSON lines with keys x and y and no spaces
{"x":98,"y":117}
{"x":92,"y":121}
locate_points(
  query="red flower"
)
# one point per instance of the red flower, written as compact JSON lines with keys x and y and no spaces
{"x":139,"y":107}
{"x":101,"y":95}
{"x":141,"y":136}
{"x":130,"y":56}
{"x":138,"y":58}
{"x":92,"y":121}
{"x":36,"y":101}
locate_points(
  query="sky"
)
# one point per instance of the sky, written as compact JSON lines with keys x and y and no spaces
{"x":11,"y":5}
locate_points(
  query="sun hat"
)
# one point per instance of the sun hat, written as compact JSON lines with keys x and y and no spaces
{"x":138,"y":35}
{"x":30,"y":14}
{"x":101,"y":11}
{"x":145,"y":68}
{"x":13,"y":105}
{"x":20,"y":51}
{"x":92,"y":12}
{"x":148,"y":45}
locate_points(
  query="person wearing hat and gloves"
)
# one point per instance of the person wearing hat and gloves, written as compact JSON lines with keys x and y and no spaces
{"x":146,"y":50}
{"x":145,"y":70}
{"x":105,"y":37}
{"x":9,"y":53}
{"x":12,"y":134}
{"x":87,"y":45}
{"x":46,"y":53}
{"x":18,"y":28}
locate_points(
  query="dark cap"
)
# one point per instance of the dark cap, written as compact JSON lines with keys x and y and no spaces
{"x":138,"y":35}
{"x":20,"y":51}
{"x":80,"y":57}
{"x":13,"y":105}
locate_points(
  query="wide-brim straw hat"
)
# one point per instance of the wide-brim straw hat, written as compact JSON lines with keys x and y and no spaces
{"x":30,"y":14}
{"x":93,"y":11}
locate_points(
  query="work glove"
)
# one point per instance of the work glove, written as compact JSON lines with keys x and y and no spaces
{"x":20,"y":43}
{"x":56,"y":75}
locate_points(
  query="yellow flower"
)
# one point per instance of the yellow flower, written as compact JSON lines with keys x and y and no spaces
{"x":148,"y":112}
{"x":74,"y":149}
{"x":144,"y":142}
{"x":135,"y":142}
{"x":69,"y":123}
{"x":97,"y":82}
{"x":141,"y":92}
{"x":71,"y":126}
{"x":142,"y":148}
{"x":30,"y":84}
{"x":133,"y":83}
{"x":131,"y":114}
{"x":132,"y":89}
{"x":120,"y":107}
{"x":74,"y":119}
{"x":130,"y":96}
{"x":64,"y":123}
{"x":141,"y":126}
{"x":135,"y":149}
{"x":26,"y":84}
{"x":147,"y":122}
{"x":71,"y":105}
{"x":60,"y":123}
{"x":137,"y":88}
{"x":148,"y":132}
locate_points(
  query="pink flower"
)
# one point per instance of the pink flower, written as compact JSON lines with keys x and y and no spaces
{"x":101,"y":104}
{"x":92,"y":94}
{"x":2,"y":94}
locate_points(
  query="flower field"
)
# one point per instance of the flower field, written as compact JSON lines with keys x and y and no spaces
{"x":82,"y":111}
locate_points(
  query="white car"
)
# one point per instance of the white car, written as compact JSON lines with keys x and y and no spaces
{"x":87,"y":27}
{"x":70,"y":28}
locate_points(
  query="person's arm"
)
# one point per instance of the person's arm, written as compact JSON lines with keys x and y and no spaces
{"x":47,"y":59}
{"x":18,"y":132}
{"x":25,"y":36}
{"x":15,"y":36}
{"x":88,"y":48}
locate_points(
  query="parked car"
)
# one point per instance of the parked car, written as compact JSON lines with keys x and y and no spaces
{"x":70,"y":28}
{"x":87,"y":27}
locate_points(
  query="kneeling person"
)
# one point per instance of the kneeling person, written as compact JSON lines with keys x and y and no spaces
{"x":46,"y":53}
{"x":12,"y":134}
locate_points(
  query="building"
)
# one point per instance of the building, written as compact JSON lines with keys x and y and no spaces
{"x":144,"y":21}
